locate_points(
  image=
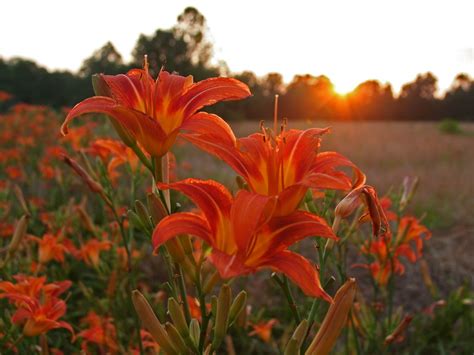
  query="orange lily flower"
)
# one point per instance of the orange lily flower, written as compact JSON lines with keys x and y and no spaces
{"x":101,"y":331}
{"x":33,"y":287}
{"x":90,"y":251}
{"x":153,"y":112}
{"x":285,"y":165}
{"x":264,"y":329}
{"x":410,"y":229}
{"x":120,"y":153}
{"x":387,"y":251}
{"x":40,"y":318}
{"x":242,"y":236}
{"x":50,"y":247}
{"x":37,"y":303}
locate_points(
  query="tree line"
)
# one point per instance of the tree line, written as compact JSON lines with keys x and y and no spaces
{"x":186,"y":49}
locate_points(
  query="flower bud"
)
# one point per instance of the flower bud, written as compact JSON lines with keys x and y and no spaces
{"x":149,"y":320}
{"x":367,"y":195}
{"x":187,"y":245}
{"x":296,"y":340}
{"x":292,"y":347}
{"x":427,"y":280}
{"x":18,"y":235}
{"x":409,"y":187}
{"x":211,"y":282}
{"x":176,"y":338}
{"x":177,"y":316}
{"x":93,"y":185}
{"x":195,"y":331}
{"x":21,"y":199}
{"x":334,"y":320}
{"x":136,"y":221}
{"x":156,"y":208}
{"x":86,"y":219}
{"x":179,"y":321}
{"x":143,"y":214}
{"x":222,"y":315}
{"x":176,"y":250}
{"x":396,"y":335}
{"x":237,"y":306}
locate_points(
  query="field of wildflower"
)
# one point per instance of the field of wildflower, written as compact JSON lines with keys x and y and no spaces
{"x":137,"y":223}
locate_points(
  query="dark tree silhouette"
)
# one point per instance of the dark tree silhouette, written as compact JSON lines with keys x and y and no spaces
{"x":104,"y":60}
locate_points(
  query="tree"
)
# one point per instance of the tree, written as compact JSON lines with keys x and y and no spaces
{"x":424,"y":87}
{"x":163,"y":48}
{"x":185,"y":48}
{"x":104,"y":60}
{"x":417,"y":99}
{"x":193,"y":30}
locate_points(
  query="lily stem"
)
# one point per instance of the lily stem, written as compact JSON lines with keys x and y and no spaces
{"x":284,"y":285}
{"x":182,"y":292}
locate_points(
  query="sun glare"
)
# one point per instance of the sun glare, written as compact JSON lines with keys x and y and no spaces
{"x":343,"y":88}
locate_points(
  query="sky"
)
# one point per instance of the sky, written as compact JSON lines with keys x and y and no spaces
{"x":349,"y":41}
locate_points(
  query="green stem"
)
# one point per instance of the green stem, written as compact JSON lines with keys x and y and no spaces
{"x":284,"y":285}
{"x":182,"y":292}
{"x":202,"y":304}
{"x":142,"y":157}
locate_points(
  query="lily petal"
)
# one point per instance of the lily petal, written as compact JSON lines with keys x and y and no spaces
{"x":212,"y":134}
{"x":290,"y":229}
{"x":210,"y":91}
{"x":181,"y":223}
{"x":300,"y":271}
{"x":249,"y":212}
{"x":143,"y":128}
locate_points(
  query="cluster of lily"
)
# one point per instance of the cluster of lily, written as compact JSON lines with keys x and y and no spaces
{"x":282,"y":174}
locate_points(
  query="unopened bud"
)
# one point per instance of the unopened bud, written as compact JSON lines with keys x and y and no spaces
{"x":136,"y":221}
{"x":179,"y":321}
{"x":367,"y":195}
{"x":93,"y":185}
{"x":300,"y":332}
{"x":18,"y":235}
{"x":176,"y":250}
{"x":156,"y":208}
{"x":237,"y":306}
{"x":176,"y":338}
{"x":292,"y":347}
{"x":409,"y":187}
{"x":177,"y":316}
{"x":211,"y":282}
{"x":195,"y":331}
{"x":86,"y":219}
{"x":187,"y":245}
{"x":149,"y":320}
{"x":222,"y":315}
{"x":427,"y":280}
{"x":397,"y":333}
{"x":334,"y":320}
{"x":296,"y":340}
{"x":143,"y":214}
{"x":243,"y":317}
{"x":21,"y":199}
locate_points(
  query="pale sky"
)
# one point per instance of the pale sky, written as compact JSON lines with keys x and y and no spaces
{"x":349,"y":41}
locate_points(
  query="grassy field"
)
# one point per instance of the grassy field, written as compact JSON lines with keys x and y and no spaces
{"x":387,"y":152}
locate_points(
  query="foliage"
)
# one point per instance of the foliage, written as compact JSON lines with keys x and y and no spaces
{"x":449,"y":126}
